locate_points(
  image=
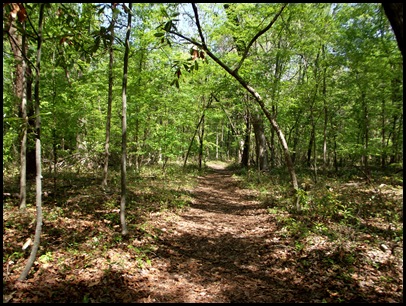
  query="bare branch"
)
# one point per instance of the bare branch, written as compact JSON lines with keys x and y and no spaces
{"x":199,"y":28}
{"x":187,"y":39}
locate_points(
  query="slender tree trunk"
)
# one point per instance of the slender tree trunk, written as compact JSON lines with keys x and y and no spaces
{"x":196,"y":130}
{"x":260,"y":141}
{"x":365,"y":155}
{"x":124,"y":230}
{"x":383,"y":148}
{"x":191,"y":141}
{"x":315,"y":157}
{"x":324,"y":92}
{"x":201,"y":141}
{"x":54,"y":135}
{"x":246,"y":143}
{"x":325,"y":162}
{"x":273,"y":146}
{"x":217,"y":143}
{"x":137,"y":121}
{"x":23,"y":152}
{"x":22,"y":92}
{"x":38,"y":180}
{"x":310,"y":146}
{"x":109,"y":101}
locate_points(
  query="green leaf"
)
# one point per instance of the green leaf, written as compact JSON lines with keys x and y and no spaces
{"x":196,"y":65}
{"x":159,"y":34}
{"x":168,"y":26}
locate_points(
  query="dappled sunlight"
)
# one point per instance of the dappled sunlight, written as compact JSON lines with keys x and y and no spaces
{"x":216,"y":242}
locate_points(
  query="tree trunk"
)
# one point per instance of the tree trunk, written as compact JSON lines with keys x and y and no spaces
{"x":217,"y":144}
{"x":137,"y":121}
{"x":124,"y":230}
{"x":325,"y":162}
{"x":260,"y":141}
{"x":383,"y":148}
{"x":324,"y":92}
{"x":365,"y":125}
{"x":23,"y":94}
{"x":310,"y":146}
{"x":193,"y":137}
{"x":109,"y":101}
{"x":38,"y":180}
{"x":246,"y":142}
{"x":201,"y":140}
{"x":394,"y":12}
{"x":23,"y":152}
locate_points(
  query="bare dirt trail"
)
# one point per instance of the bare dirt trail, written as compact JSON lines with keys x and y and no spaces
{"x":219,"y":249}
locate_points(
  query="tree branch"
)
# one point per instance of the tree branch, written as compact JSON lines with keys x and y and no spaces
{"x":19,"y":48}
{"x":199,"y":28}
{"x":244,"y":56}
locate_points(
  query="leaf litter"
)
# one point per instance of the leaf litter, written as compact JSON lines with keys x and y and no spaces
{"x":224,"y":246}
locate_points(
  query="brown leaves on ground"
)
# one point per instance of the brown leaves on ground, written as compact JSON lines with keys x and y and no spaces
{"x":224,"y":247}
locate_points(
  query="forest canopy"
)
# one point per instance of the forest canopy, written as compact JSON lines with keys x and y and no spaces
{"x":331,"y":74}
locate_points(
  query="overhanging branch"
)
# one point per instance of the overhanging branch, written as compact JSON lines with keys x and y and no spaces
{"x":264,"y":30}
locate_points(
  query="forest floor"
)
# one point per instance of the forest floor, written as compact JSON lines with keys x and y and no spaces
{"x":226,"y":245}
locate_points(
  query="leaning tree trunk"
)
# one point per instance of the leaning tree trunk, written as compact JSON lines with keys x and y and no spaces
{"x":38,"y":180}
{"x":234,"y":73}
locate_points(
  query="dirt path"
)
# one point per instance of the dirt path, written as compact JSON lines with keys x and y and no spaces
{"x":218,"y":250}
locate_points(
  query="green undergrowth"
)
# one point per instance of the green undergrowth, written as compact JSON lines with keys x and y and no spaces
{"x":351,"y":228}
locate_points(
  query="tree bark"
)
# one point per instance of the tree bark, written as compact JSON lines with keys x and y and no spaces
{"x":394,"y":12}
{"x":260,"y":141}
{"x":124,"y":230}
{"x":246,"y":143}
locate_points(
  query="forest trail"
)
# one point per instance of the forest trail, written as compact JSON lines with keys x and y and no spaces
{"x":224,"y":247}
{"x":219,"y":249}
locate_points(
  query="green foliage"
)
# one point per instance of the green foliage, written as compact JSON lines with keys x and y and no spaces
{"x":141,"y":255}
{"x":47,"y":257}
